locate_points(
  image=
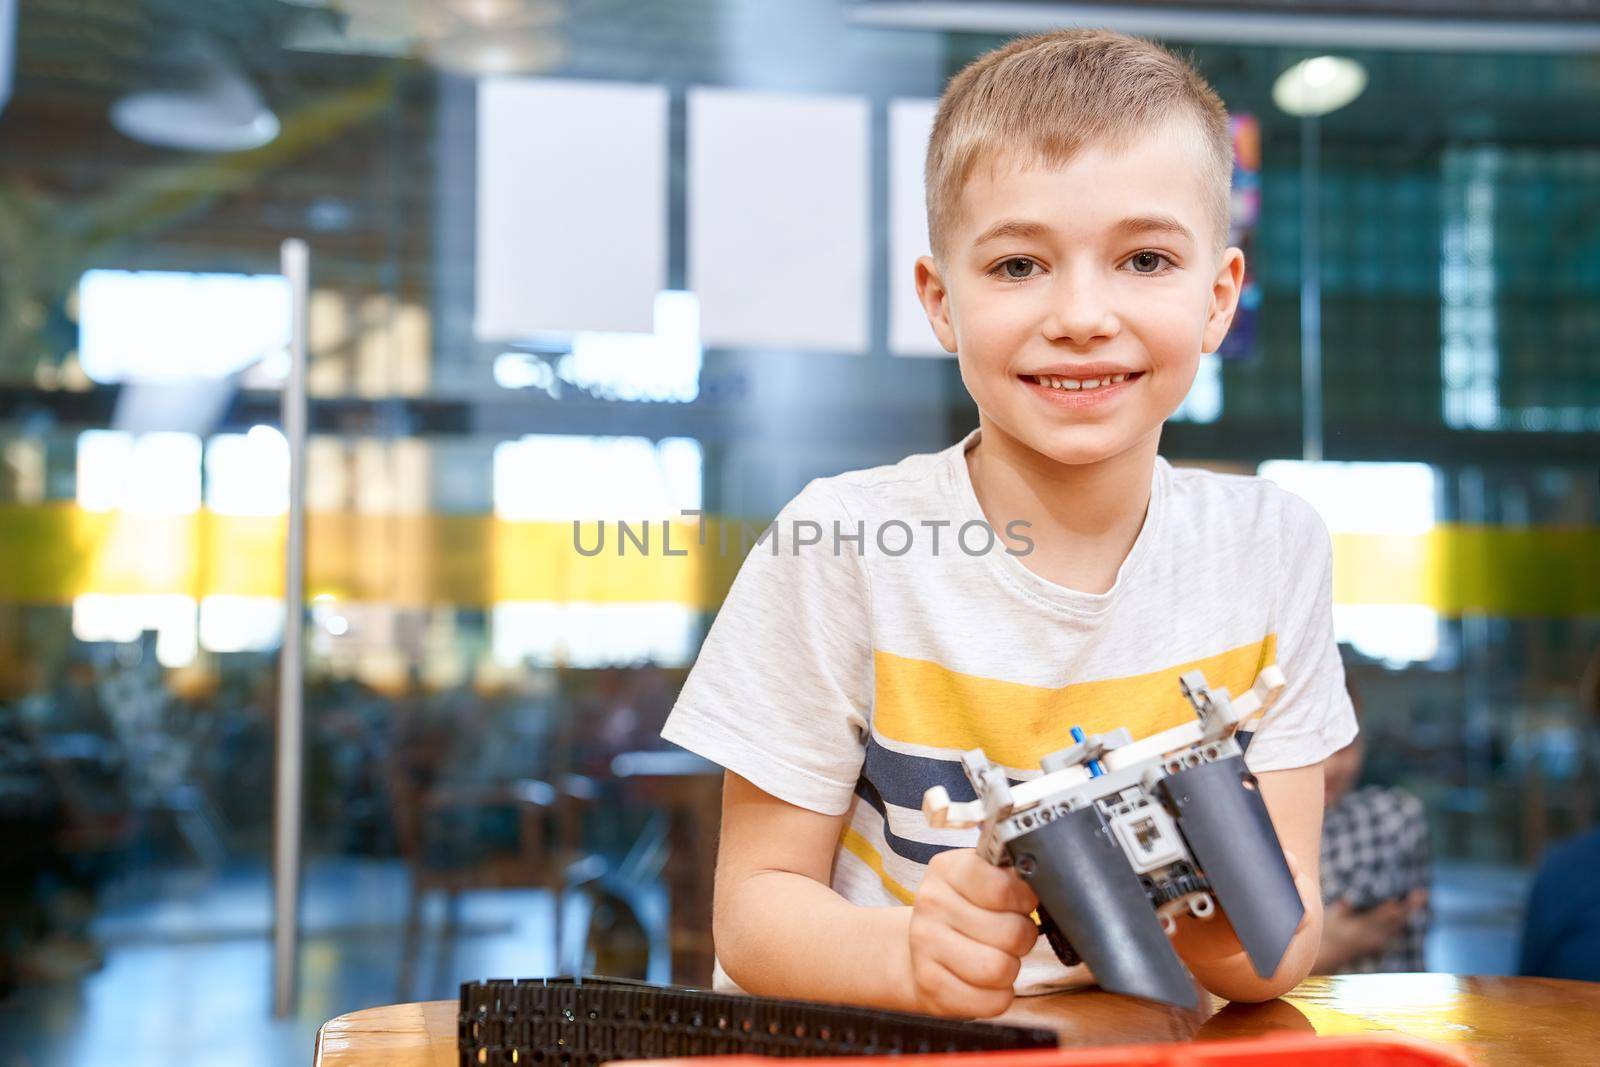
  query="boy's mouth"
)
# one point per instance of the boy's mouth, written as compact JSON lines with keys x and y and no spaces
{"x":1051,"y":381}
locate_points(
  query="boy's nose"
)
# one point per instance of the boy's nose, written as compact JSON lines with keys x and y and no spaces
{"x":1079,"y":313}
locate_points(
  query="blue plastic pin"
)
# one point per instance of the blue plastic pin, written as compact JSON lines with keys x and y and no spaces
{"x":1095,"y":770}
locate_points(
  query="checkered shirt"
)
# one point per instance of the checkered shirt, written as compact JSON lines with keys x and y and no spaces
{"x":1375,"y":848}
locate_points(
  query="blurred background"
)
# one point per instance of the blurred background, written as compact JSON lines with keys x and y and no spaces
{"x":622,"y":259}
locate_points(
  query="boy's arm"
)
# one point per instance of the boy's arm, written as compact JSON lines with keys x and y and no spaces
{"x":780,"y":930}
{"x":1212,"y":950}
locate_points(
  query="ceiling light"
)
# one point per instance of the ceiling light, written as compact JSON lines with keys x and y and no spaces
{"x":215,"y":110}
{"x":480,"y":53}
{"x":478,"y":38}
{"x":1319,"y":85}
{"x":192,"y":122}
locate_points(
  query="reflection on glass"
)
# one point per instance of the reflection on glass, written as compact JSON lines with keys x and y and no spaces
{"x":169,"y":326}
{"x":561,"y":477}
{"x":606,"y":482}
{"x":123,"y":618}
{"x":154,"y":473}
{"x":240,"y":623}
{"x":248,"y":473}
{"x":662,"y":366}
{"x":139,"y":557}
{"x":1469,"y":352}
{"x":1389,"y":506}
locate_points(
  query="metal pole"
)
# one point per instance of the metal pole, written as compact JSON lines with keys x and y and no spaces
{"x":1310,"y":292}
{"x":291,"y":667}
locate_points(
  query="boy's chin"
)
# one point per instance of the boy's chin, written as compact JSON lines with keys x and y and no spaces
{"x":1079,"y":446}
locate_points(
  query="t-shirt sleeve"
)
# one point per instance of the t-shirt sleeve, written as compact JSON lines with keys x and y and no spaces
{"x":780,"y":693}
{"x":1312,"y":718}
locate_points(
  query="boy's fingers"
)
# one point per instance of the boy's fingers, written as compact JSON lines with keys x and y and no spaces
{"x":1008,"y":931}
{"x":974,"y":963}
{"x":990,"y":887}
{"x":953,"y":996}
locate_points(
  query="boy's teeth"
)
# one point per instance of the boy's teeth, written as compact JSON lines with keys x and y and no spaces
{"x":1079,"y":383}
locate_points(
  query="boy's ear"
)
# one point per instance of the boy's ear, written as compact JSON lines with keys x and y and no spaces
{"x":1225,"y":290}
{"x":935,"y":301}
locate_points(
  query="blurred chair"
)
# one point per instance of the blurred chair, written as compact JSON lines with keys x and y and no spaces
{"x":685,"y":793}
{"x":661,"y":813}
{"x":464,"y":836}
{"x":82,"y":823}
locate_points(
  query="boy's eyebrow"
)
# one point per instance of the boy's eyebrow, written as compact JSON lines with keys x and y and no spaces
{"x":1158,"y":222}
{"x":1011,"y":228}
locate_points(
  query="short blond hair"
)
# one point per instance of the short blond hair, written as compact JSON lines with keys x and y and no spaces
{"x":1040,"y":99}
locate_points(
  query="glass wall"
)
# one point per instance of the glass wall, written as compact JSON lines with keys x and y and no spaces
{"x":485,"y":790}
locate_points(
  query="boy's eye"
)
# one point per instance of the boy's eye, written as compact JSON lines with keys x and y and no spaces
{"x":1147,"y":262}
{"x":1017,"y":267}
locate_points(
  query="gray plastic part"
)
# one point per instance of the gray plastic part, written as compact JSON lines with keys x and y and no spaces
{"x":1223,"y":818}
{"x":1084,"y":883}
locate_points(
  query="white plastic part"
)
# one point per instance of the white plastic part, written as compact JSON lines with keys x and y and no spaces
{"x":942,"y":814}
{"x":1254,"y":704}
{"x":1154,"y":746}
{"x":1025,"y":795}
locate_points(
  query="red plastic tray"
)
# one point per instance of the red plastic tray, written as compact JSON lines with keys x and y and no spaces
{"x":1298,"y":1050}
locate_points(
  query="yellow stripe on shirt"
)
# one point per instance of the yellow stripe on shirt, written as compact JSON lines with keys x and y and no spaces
{"x":858,"y":846}
{"x":923,"y":703}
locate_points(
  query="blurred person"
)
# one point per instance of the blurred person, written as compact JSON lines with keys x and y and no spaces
{"x":1375,"y":870}
{"x":1561,"y":927}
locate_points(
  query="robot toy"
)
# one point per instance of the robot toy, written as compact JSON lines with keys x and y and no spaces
{"x":1118,"y":837}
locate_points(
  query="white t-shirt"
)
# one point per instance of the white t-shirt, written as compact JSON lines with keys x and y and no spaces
{"x":847,"y":670}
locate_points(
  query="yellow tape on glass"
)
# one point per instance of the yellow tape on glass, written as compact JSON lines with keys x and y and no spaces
{"x":55,"y":552}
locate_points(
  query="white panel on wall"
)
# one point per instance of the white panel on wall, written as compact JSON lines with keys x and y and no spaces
{"x":910,"y":123}
{"x":572,"y":206}
{"x":778,"y":188}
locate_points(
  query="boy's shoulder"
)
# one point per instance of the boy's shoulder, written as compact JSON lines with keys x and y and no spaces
{"x":912,"y":486}
{"x":1209,"y":500}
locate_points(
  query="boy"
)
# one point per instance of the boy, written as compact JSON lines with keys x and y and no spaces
{"x":1078,"y":191}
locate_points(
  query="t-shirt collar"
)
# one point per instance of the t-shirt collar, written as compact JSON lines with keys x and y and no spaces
{"x":965,"y":500}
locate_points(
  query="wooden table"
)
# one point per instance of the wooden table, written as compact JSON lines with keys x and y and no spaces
{"x":1500,"y":1022}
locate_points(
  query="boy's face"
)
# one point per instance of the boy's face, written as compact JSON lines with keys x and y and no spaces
{"x":1102,"y":268}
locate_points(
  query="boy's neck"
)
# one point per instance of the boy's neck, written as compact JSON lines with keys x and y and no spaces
{"x":1085,"y":517}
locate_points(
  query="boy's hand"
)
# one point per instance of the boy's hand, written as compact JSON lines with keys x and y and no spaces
{"x":970,"y":928}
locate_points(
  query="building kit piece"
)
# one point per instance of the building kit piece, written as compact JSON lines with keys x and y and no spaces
{"x":1118,"y":837}
{"x":580,"y":1022}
